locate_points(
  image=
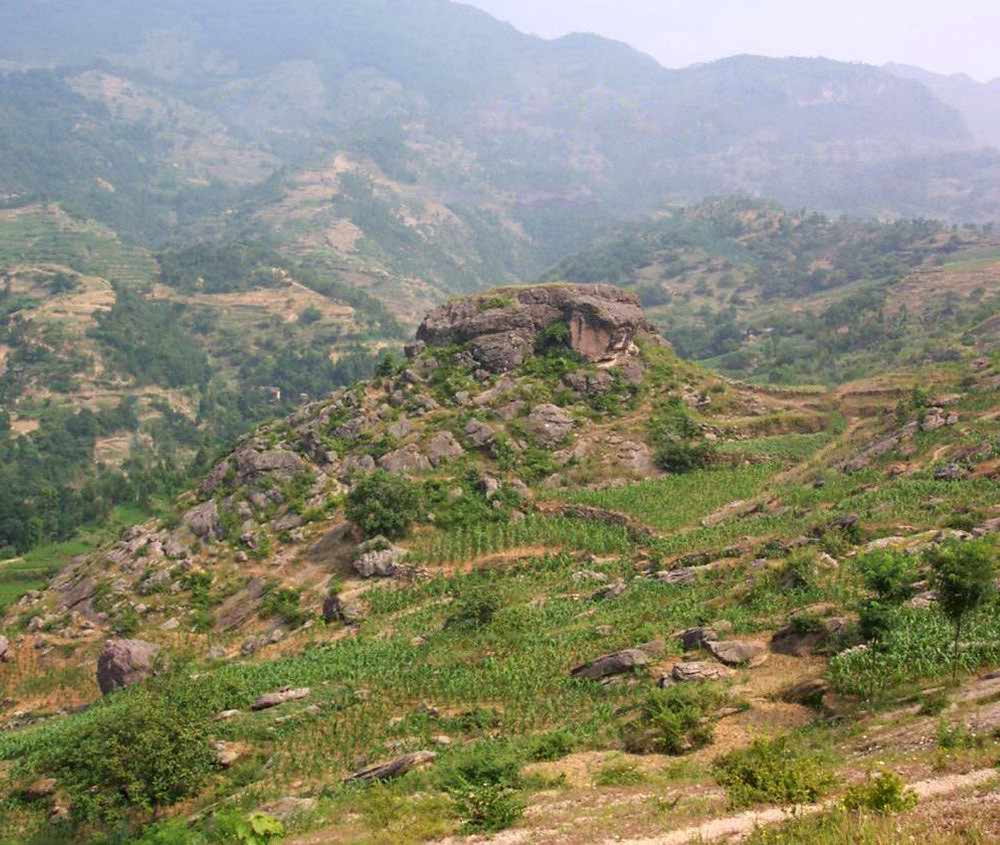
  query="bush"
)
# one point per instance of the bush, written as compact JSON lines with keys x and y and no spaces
{"x":551,"y":746}
{"x":771,"y":772}
{"x":882,"y":793}
{"x":474,"y":608}
{"x":488,"y":808}
{"x":619,"y":773}
{"x":283,"y":603}
{"x":679,"y":456}
{"x":889,"y":574}
{"x":384,"y":504}
{"x":674,"y":720}
{"x":149,"y":752}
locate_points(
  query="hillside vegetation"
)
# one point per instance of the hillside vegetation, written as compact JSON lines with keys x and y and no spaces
{"x":440,"y":603}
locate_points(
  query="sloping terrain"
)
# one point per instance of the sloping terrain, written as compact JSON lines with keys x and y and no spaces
{"x":574,"y":513}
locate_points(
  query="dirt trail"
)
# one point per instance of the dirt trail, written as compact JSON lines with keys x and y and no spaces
{"x":733,"y":828}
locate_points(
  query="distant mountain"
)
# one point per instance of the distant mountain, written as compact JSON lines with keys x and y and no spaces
{"x":977,"y":102}
{"x":426,"y":148}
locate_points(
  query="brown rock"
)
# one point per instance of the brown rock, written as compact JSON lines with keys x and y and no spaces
{"x":41,"y":788}
{"x":738,"y":652}
{"x":406,"y":460}
{"x":443,"y":447}
{"x":273,"y":699}
{"x":392,"y":769}
{"x":125,"y":662}
{"x":549,"y":425}
{"x":615,"y":663}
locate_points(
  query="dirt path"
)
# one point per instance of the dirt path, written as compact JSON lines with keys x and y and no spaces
{"x":742,"y":825}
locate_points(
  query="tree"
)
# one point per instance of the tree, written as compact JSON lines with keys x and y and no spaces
{"x":381,"y":503}
{"x":964,"y":576}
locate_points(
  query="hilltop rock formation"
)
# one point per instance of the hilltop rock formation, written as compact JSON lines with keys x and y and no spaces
{"x":503,"y":326}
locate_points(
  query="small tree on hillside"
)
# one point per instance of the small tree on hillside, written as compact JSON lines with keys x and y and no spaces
{"x":381,"y":503}
{"x":964,"y":576}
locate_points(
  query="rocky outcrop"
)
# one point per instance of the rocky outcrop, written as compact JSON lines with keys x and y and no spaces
{"x":502,"y":326}
{"x":125,"y":662}
{"x":392,"y":769}
{"x":738,"y":652}
{"x":273,"y":699}
{"x":612,"y":664}
{"x":443,"y":447}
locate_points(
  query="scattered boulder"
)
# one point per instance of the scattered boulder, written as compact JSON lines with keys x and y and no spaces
{"x":203,"y":520}
{"x":348,"y":608}
{"x":616,"y":663}
{"x":443,"y":447}
{"x":694,"y":638}
{"x":406,"y":460}
{"x":738,"y":652}
{"x":273,"y":699}
{"x":392,"y":769}
{"x":479,"y":434}
{"x":799,"y":638}
{"x":611,"y":591}
{"x":549,"y":425}
{"x":227,"y":753}
{"x":950,"y":472}
{"x":695,"y":670}
{"x":5,"y":653}
{"x":378,"y":558}
{"x":125,"y":662}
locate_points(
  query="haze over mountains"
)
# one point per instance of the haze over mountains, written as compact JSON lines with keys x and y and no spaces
{"x":427,"y":147}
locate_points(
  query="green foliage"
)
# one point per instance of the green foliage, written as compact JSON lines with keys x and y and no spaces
{"x":488,"y":807}
{"x":473,"y":608}
{"x":884,"y":793}
{"x":619,"y":773}
{"x":150,"y":752}
{"x":772,"y":772}
{"x":888,"y":573}
{"x":384,"y":504}
{"x":283,"y":603}
{"x":674,"y":720}
{"x":553,"y":745}
{"x":964,"y":576}
{"x":253,"y":829}
{"x":677,"y":439}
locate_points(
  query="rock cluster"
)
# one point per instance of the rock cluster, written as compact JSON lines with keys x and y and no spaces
{"x":502,"y":327}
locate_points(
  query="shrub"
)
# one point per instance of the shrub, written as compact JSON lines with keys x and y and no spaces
{"x":283,"y":603}
{"x":381,"y":503}
{"x":484,"y":763}
{"x":674,"y":720}
{"x":488,"y":807}
{"x":149,"y":752}
{"x":889,"y":574}
{"x":882,"y":793}
{"x":771,"y":771}
{"x":252,"y":829}
{"x":619,"y":773}
{"x":474,"y":608}
{"x":683,"y":456}
{"x":551,"y":746}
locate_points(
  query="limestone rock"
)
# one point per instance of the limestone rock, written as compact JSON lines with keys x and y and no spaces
{"x":378,"y":558}
{"x":479,"y":433}
{"x":125,"y":662}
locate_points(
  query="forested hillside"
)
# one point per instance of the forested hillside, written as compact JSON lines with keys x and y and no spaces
{"x":791,"y":296}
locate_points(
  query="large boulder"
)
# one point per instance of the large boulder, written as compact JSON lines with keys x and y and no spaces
{"x":737,"y":652}
{"x":443,"y":447}
{"x":616,"y":663}
{"x":502,"y":326}
{"x":203,"y":520}
{"x":549,"y":425}
{"x":125,"y":662}
{"x":409,"y":459}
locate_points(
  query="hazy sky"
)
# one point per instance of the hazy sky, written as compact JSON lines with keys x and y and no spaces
{"x":946,"y":37}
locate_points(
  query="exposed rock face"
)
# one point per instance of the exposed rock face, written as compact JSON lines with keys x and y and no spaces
{"x":378,"y":558}
{"x":738,"y":652}
{"x":443,"y":447}
{"x":502,"y":326}
{"x":695,"y":670}
{"x":203,"y":520}
{"x":273,"y":699}
{"x":406,"y":460}
{"x":125,"y":662}
{"x":394,"y":768}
